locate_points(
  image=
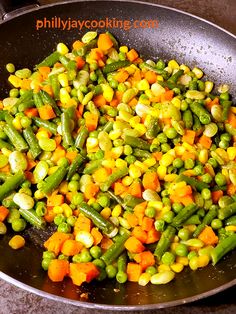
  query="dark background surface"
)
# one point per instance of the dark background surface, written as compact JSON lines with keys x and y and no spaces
{"x":15,"y":300}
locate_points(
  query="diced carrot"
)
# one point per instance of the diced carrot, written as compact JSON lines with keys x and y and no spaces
{"x":106,"y":243}
{"x":91,"y":121}
{"x":211,"y":103}
{"x":58,"y":269}
{"x":187,"y":199}
{"x":153,"y":236}
{"x":96,"y":54}
{"x":145,"y":259}
{"x":55,"y":200}
{"x":189,"y":137}
{"x":82,"y":223}
{"x":134,"y":271}
{"x":133,"y":102}
{"x":119,"y":188}
{"x":118,"y":95}
{"x":188,"y":155}
{"x":137,"y":76}
{"x":208,"y":236}
{"x":151,"y":181}
{"x":71,"y":247}
{"x":44,"y":71}
{"x":81,"y":109}
{"x":133,"y":245}
{"x":83,"y":272}
{"x":58,"y":153}
{"x":151,"y":77}
{"x":147,"y":223}
{"x":167,"y":96}
{"x":97,"y":236}
{"x":50,"y":215}
{"x":232,"y":119}
{"x":69,"y":196}
{"x":114,"y":102}
{"x":140,"y":234}
{"x":132,"y":219}
{"x":231,"y":189}
{"x":216,"y":195}
{"x":91,"y":190}
{"x":101,"y":175}
{"x":31,"y":112}
{"x":55,"y":242}
{"x":132,"y":55}
{"x":135,"y":189}
{"x":48,"y":89}
{"x":205,"y":141}
{"x":71,"y":155}
{"x":184,"y":190}
{"x":3,"y":213}
{"x":139,"y":211}
{"x":157,"y":155}
{"x":77,"y":44}
{"x":121,"y":76}
{"x":46,"y":112}
{"x":79,"y":62}
{"x":104,"y":42}
{"x":99,"y":101}
{"x":29,"y":176}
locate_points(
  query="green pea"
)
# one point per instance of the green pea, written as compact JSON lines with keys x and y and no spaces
{"x":96,"y":251}
{"x":184,"y":234}
{"x":14,"y":92}
{"x":128,"y":150}
{"x":10,"y":68}
{"x":104,"y":201}
{"x":168,"y":217}
{"x":166,"y":201}
{"x":206,"y":178}
{"x":159,"y":225}
{"x":206,"y":194}
{"x":198,"y":170}
{"x":111,"y":271}
{"x":122,"y":56}
{"x":18,"y":224}
{"x":162,"y":138}
{"x":25,"y":122}
{"x":85,"y":256}
{"x":59,"y":219}
{"x":150,"y":212}
{"x":151,"y":270}
{"x":160,"y":65}
{"x":76,"y":258}
{"x":225,"y":137}
{"x":130,"y":159}
{"x":64,"y":227}
{"x":83,"y":89}
{"x":189,"y":163}
{"x":220,"y":179}
{"x":45,"y":263}
{"x":168,"y":258}
{"x":165,"y":147}
{"x":216,"y":224}
{"x":48,"y":255}
{"x":73,"y":186}
{"x":212,"y":162}
{"x":121,"y":277}
{"x":177,"y":207}
{"x":71,"y":220}
{"x":63,"y":257}
{"x":171,"y":133}
{"x":224,"y":96}
{"x":223,"y":144}
{"x":99,"y":263}
{"x":178,"y":163}
{"x":94,"y":134}
{"x":93,"y":76}
{"x":191,"y":255}
{"x":99,"y":154}
{"x":181,"y":250}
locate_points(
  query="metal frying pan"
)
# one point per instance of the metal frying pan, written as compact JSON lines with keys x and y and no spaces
{"x":181,"y":36}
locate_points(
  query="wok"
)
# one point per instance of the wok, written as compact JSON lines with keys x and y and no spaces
{"x":181,"y":36}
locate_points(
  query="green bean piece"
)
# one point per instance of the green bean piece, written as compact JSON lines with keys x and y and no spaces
{"x":193,"y":220}
{"x":108,"y":126}
{"x":48,"y":100}
{"x":26,"y":105}
{"x":226,"y":104}
{"x":68,"y":64}
{"x":115,"y":42}
{"x":50,"y":60}
{"x":81,"y":137}
{"x":86,"y":48}
{"x":66,"y":131}
{"x":119,"y":200}
{"x":196,"y":123}
{"x":132,"y":201}
{"x":114,"y":66}
{"x":97,"y":219}
{"x":140,"y":153}
{"x":227,"y":211}
{"x":136,"y":142}
{"x":38,"y":100}
{"x":8,"y":117}
{"x":174,"y":78}
{"x":115,"y":249}
{"x":55,"y":86}
{"x":151,"y":68}
{"x":203,"y":115}
{"x":121,"y":275}
{"x":4,"y":176}
{"x":32,"y":141}
{"x":76,"y":163}
{"x":101,"y":78}
{"x":26,"y":97}
{"x":231,"y":221}
{"x":15,"y":137}
{"x":50,"y":126}
{"x":54,"y":180}
{"x":11,"y":184}
{"x":225,"y":245}
{"x":92,"y":166}
{"x":4,"y":144}
{"x":188,"y":119}
{"x":198,"y":185}
{"x":30,"y":216}
{"x":184,"y":215}
{"x":118,"y":174}
{"x":164,"y":242}
{"x":152,"y":128}
{"x":210,"y":215}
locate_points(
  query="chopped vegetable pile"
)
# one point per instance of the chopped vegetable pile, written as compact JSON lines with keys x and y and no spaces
{"x":133,"y":161}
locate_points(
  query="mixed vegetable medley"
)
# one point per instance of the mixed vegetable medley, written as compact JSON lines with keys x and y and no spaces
{"x":133,"y":161}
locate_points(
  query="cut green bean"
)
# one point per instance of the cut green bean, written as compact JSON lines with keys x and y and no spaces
{"x":136,"y":142}
{"x":66,"y":130}
{"x":11,"y":184}
{"x":184,"y":215}
{"x":50,"y":126}
{"x":164,"y":242}
{"x":75,"y":165}
{"x":30,"y":216}
{"x":54,"y":180}
{"x":114,"y":66}
{"x":227,"y":211}
{"x":32,"y":141}
{"x":118,"y":174}
{"x":49,"y":60}
{"x":225,"y":246}
{"x":211,"y":214}
{"x":81,"y":137}
{"x":16,"y":139}
{"x":198,"y":185}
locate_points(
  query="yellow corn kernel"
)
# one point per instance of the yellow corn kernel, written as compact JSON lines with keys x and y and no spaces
{"x":106,"y":212}
{"x":17,"y":242}
{"x":203,"y":156}
{"x":177,"y":186}
{"x":176,"y":239}
{"x":15,"y":81}
{"x":208,"y":86}
{"x":52,"y":170}
{"x":141,"y":165}
{"x":173,"y":246}
{"x":62,"y":49}
{"x":16,"y":123}
{"x":156,"y":204}
{"x":163,"y":267}
{"x":115,"y":134}
{"x":109,"y":163}
{"x":63,"y":79}
{"x":161,"y":171}
{"x":130,"y":69}
{"x":160,"y":78}
{"x":179,"y":150}
{"x":64,"y":95}
{"x":120,"y":163}
{"x":124,"y":223}
{"x":57,"y":210}
{"x":176,"y":102}
{"x":177,"y":267}
{"x":91,"y":201}
{"x":149,"y":93}
{"x":203,"y":260}
{"x":117,"y":210}
{"x":173,"y":64}
{"x":42,"y":134}
{"x":143,"y":85}
{"x":124,"y":49}
{"x":140,"y":128}
{"x":198,"y":72}
{"x":117,"y":152}
{"x":189,"y":147}
{"x":108,"y":92}
{"x":67,"y":210}
{"x":184,"y":68}
{"x":231,"y":151}
{"x":182,"y":260}
{"x":127,"y":181}
{"x":134,"y":171}
{"x":225,"y":172}
{"x":6,"y":151}
{"x":230,"y":228}
{"x":144,"y":279}
{"x":166,"y":160}
{"x":233,"y":109}
{"x":191,"y":228}
{"x":39,"y":195}
{"x":223,"y":154}
{"x":149,"y":162}
{"x":63,"y":188}
{"x":134,"y":121}
{"x":170,"y":177}
{"x":91,"y":142}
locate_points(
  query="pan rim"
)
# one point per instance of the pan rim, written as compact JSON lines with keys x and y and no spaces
{"x":44,"y":6}
{"x":100,"y":306}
